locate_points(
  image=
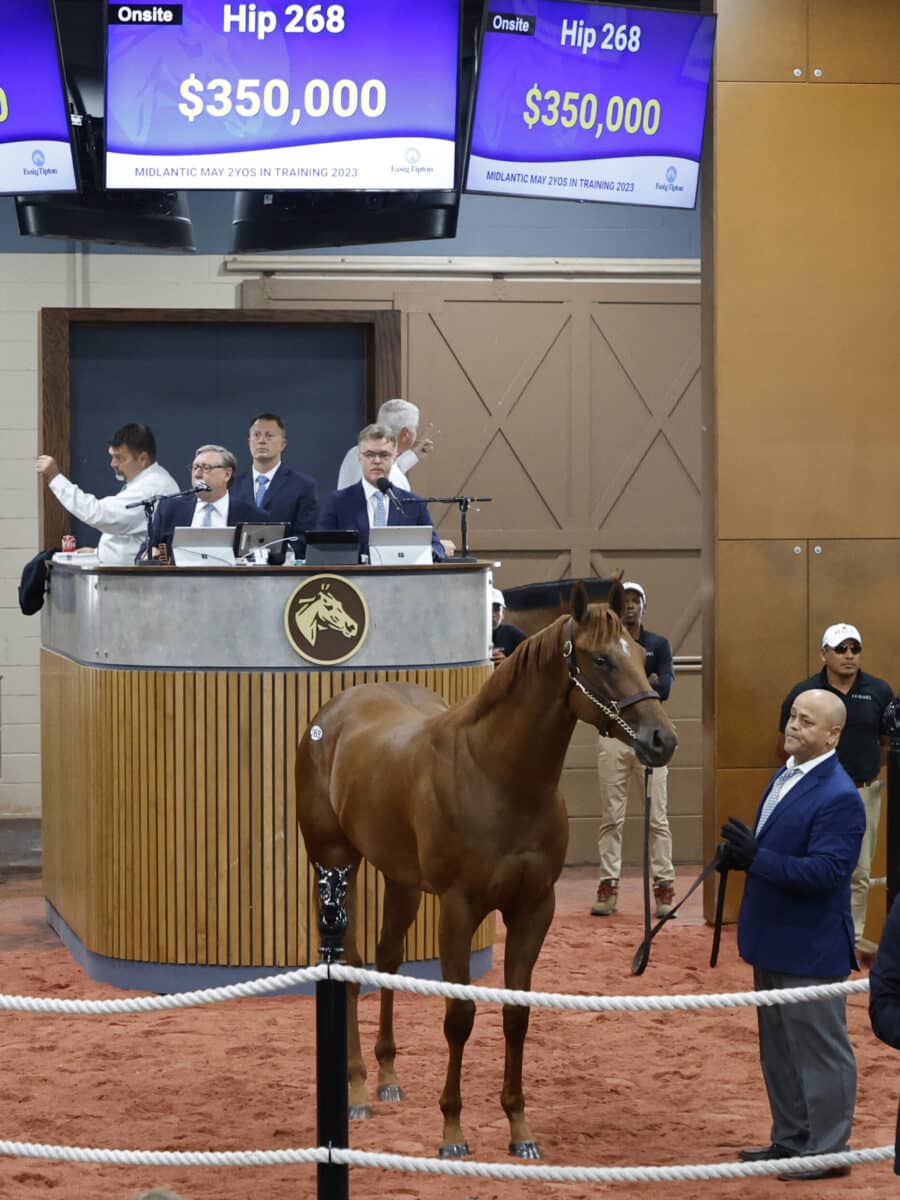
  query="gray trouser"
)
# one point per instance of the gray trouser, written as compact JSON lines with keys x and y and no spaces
{"x":808,"y":1067}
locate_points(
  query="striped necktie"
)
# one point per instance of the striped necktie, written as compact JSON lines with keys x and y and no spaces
{"x":775,"y":794}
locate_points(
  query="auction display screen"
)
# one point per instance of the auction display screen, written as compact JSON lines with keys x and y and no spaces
{"x":35,"y":150}
{"x":579,"y":101}
{"x":276,"y":95}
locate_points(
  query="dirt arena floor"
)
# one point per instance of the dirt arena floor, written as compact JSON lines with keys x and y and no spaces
{"x":621,"y":1090}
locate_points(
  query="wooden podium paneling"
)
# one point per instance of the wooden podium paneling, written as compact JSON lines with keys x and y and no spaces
{"x":170,"y":825}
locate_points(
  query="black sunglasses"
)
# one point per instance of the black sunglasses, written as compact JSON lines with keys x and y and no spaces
{"x":847,"y":648}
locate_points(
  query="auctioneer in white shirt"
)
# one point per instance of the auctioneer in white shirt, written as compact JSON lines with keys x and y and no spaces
{"x":122,"y":529}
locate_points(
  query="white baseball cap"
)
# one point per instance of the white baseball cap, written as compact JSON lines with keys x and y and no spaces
{"x":497,"y":597}
{"x":835,"y":634}
{"x":635,"y":587}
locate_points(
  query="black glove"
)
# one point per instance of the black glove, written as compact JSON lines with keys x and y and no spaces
{"x":726,"y":859}
{"x":741,"y":843}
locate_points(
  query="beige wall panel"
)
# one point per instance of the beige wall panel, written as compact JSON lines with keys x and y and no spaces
{"x":761,"y":40}
{"x":761,"y":606}
{"x":671,"y":581}
{"x":806,"y":310}
{"x":854,"y":43}
{"x":859,"y":582}
{"x":686,"y":695}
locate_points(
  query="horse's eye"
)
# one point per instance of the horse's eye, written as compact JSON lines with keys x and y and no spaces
{"x":600,"y":660}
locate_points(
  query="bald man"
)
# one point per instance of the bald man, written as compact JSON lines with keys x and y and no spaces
{"x":795,"y":929}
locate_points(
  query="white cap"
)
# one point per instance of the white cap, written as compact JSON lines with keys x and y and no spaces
{"x":635,"y":587}
{"x":497,"y":597}
{"x":835,"y":634}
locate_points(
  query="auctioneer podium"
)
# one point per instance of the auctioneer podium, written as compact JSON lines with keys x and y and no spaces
{"x":172,"y":702}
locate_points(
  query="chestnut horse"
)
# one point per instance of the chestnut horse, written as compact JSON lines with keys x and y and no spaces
{"x":464,"y":802}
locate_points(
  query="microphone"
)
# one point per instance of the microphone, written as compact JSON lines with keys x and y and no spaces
{"x":385,"y":488}
{"x":198,"y":487}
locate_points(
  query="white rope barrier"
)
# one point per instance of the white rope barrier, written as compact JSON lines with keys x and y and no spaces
{"x":441,"y":1166}
{"x":426,"y":987}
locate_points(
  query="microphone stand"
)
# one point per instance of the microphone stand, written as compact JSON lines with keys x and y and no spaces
{"x":464,"y":502}
{"x":149,"y":507}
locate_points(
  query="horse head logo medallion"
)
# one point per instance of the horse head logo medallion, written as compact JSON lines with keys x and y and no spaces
{"x":326,"y":619}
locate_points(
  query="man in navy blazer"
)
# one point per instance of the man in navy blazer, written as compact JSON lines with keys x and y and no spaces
{"x":884,"y":994}
{"x":357,"y":507}
{"x":283,"y":494}
{"x":796,"y":930}
{"x":216,"y":507}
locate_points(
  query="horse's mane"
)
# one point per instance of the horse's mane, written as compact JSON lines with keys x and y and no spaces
{"x":533,"y":655}
{"x":546,"y":595}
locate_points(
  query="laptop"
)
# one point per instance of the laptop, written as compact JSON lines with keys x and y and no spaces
{"x":400,"y":546}
{"x":197,"y":546}
{"x":253,"y":535}
{"x":332,"y":547}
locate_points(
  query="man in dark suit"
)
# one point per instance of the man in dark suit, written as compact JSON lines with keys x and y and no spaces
{"x":796,"y":930}
{"x":362,"y":505}
{"x":216,"y":508}
{"x":884,"y":994}
{"x":284,"y":494}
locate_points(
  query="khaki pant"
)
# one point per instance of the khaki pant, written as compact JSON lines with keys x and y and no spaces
{"x":859,"y":886}
{"x":617,"y":768}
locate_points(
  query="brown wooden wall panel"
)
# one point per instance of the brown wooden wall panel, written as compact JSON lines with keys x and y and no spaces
{"x":805,"y":293}
{"x":854,"y":43}
{"x":761,"y":621}
{"x":761,"y":40}
{"x":170,"y":829}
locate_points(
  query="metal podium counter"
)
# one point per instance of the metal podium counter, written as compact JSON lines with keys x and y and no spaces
{"x":172,"y":702}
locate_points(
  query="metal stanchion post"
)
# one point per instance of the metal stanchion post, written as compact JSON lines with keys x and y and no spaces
{"x":892,"y":824}
{"x":331,"y":1036}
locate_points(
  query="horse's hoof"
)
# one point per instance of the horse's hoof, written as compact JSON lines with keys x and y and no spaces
{"x":359,"y":1112}
{"x":455,"y":1150}
{"x":392,"y":1092}
{"x":525,"y":1150}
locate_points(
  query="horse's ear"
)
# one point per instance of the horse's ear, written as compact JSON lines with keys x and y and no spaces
{"x":579,"y":602}
{"x":615,"y":598}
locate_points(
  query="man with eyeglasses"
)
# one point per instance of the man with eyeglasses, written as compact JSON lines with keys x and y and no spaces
{"x":213,"y":509}
{"x":862,"y":746}
{"x":362,"y":505}
{"x":284,"y":494}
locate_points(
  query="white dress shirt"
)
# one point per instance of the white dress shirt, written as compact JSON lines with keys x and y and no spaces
{"x":351,"y":469}
{"x":218,"y":517}
{"x":122,"y":529}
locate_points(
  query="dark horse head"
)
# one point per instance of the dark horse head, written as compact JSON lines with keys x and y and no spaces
{"x":608,"y":686}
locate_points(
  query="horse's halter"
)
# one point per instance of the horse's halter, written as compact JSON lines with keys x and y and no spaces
{"x":609,"y":708}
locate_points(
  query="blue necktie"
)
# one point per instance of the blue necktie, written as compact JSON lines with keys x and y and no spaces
{"x":774,"y":797}
{"x":262,"y":483}
{"x":380,"y":509}
{"x":208,"y":511}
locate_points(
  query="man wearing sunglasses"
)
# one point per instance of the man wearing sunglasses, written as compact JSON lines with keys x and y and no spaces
{"x":862,"y":744}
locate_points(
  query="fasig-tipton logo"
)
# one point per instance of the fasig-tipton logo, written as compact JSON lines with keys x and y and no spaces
{"x":499,"y":22}
{"x":39,"y":169}
{"x":326,"y":619}
{"x":144,"y":14}
{"x":670,"y":185}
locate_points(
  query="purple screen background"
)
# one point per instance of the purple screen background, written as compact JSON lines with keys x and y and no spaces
{"x":672,"y":66}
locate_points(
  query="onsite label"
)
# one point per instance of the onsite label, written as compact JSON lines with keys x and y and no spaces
{"x":589,"y":102}
{"x":217,"y":94}
{"x":35,"y":151}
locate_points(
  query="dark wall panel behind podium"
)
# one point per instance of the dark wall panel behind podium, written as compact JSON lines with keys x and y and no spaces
{"x":204,"y":383}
